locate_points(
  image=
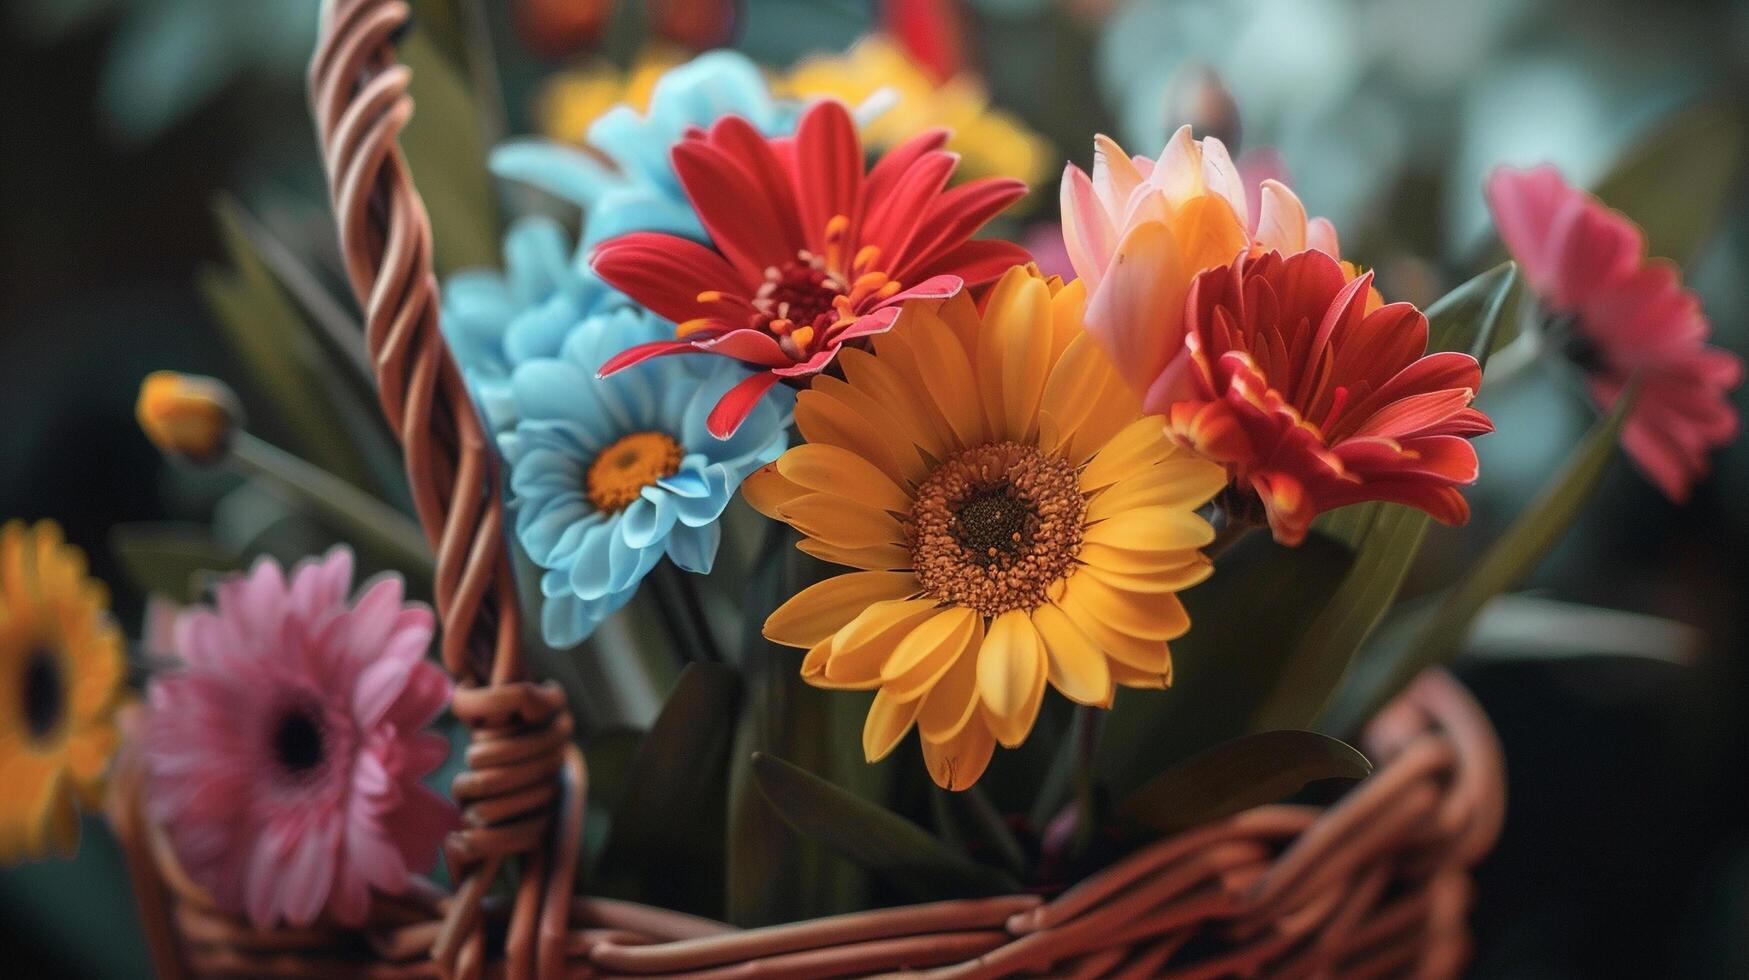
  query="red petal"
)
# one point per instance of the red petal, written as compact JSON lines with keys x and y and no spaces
{"x":898,"y":160}
{"x":747,"y":344}
{"x":829,"y":167}
{"x":981,"y":260}
{"x":747,"y":224}
{"x":666,"y":273}
{"x":760,"y":159}
{"x":890,"y":222}
{"x":641,"y":353}
{"x":736,"y":404}
{"x":953,"y":218}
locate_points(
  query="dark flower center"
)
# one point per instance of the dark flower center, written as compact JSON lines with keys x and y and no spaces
{"x":45,"y":693}
{"x":299,"y":741}
{"x":802,"y":299}
{"x":996,"y":526}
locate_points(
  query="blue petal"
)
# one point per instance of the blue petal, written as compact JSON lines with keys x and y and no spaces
{"x":648,"y":519}
{"x":560,"y":170}
{"x":695,"y":548}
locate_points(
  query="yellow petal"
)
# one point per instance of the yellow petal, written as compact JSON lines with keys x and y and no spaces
{"x":1138,"y":445}
{"x":836,"y":521}
{"x":1183,"y":482}
{"x":1151,"y":529}
{"x":1120,"y":647}
{"x":928,"y":651}
{"x":885,"y":557}
{"x":887,"y":722}
{"x":958,"y":762}
{"x":1127,"y":676}
{"x":766,"y":490}
{"x":1078,"y":668}
{"x":836,"y":470}
{"x":862,"y":647}
{"x":930,"y":353}
{"x":1138,"y":614}
{"x":1087,"y":398}
{"x":1011,"y":675}
{"x":1165,"y":580}
{"x":822,"y":609}
{"x":1014,"y":354}
{"x":1068,"y":317}
{"x":834,"y":413}
{"x":914,"y":420}
{"x":954,"y":699}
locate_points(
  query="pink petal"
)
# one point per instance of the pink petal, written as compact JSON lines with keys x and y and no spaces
{"x":1525,"y":203}
{"x":1087,"y":232}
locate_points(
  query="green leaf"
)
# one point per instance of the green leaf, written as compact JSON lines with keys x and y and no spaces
{"x":1249,"y":771}
{"x":1508,"y":561}
{"x":445,"y":147}
{"x":1515,"y":627}
{"x":1243,"y":623}
{"x":1383,"y":537}
{"x":1675,"y":182}
{"x":665,"y":845}
{"x":898,"y":850}
{"x":174,"y":560}
{"x":285,"y":361}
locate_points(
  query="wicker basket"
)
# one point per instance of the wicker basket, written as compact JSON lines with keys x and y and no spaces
{"x":1375,"y":886}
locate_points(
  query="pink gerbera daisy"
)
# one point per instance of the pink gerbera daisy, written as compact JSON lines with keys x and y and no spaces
{"x":284,"y":755}
{"x":1619,"y":315}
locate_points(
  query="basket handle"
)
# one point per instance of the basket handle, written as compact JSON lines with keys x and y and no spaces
{"x":521,"y":768}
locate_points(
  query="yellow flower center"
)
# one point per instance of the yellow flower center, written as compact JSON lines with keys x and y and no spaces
{"x":994,"y":527}
{"x":43,"y":693}
{"x":624,"y":469}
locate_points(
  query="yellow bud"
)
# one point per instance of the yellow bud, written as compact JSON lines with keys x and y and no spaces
{"x":187,"y":415}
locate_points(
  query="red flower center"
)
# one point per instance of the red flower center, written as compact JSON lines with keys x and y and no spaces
{"x":800,"y":301}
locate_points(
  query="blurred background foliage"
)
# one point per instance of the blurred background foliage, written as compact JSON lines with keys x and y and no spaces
{"x":161,"y":188}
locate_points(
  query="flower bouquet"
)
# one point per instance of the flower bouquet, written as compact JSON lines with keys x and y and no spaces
{"x":821,"y":584}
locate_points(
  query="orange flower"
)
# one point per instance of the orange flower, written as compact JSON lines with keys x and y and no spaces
{"x":1312,"y":401}
{"x":1139,"y":230}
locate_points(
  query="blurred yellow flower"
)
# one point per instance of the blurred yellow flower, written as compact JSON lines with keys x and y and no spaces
{"x":573,"y":99}
{"x":188,"y":415}
{"x":990,"y":142}
{"x":61,"y":669}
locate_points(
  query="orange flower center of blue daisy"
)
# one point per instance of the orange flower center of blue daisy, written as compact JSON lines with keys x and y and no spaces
{"x":622,"y":470}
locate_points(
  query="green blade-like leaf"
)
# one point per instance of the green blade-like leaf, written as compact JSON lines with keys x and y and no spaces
{"x":775,"y":875}
{"x":666,"y":842}
{"x":898,"y":850}
{"x":286,"y":362}
{"x":1381,"y":674}
{"x":174,"y":560}
{"x":1522,"y":627}
{"x":1243,"y":623}
{"x":446,"y":151}
{"x":1675,"y":181}
{"x":1383,"y":537}
{"x":1249,"y":771}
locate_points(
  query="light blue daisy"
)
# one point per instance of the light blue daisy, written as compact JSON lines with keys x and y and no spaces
{"x":608,"y":475}
{"x":495,"y":321}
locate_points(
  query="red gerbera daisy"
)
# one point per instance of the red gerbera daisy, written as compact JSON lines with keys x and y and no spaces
{"x":1314,"y":403}
{"x":811,"y":252}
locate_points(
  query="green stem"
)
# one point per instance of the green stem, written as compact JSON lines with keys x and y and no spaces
{"x":1088,"y":724}
{"x":349,"y":509}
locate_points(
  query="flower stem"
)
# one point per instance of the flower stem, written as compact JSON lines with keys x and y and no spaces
{"x":1089,"y":721}
{"x":1227,"y":536}
{"x":685,"y":615}
{"x":347,"y":508}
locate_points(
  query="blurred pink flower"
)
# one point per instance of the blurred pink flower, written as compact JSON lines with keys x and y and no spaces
{"x":284,"y":756}
{"x":1628,"y":315}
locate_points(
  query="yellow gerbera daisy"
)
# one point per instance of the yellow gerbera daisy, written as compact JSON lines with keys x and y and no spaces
{"x":571,"y":100}
{"x":991,"y":143}
{"x":61,"y":668}
{"x":1015,"y":517}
